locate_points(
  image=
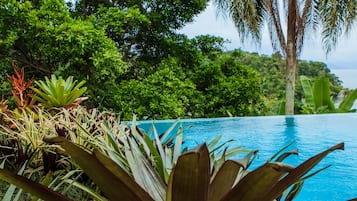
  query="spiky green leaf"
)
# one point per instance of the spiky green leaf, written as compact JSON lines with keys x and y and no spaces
{"x":115,"y":183}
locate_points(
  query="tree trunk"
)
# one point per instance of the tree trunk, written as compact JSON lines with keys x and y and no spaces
{"x":291,"y":58}
{"x":290,"y":75}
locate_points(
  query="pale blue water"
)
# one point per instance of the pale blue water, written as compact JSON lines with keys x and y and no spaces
{"x":312,"y":134}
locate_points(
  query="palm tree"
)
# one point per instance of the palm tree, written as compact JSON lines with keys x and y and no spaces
{"x":332,"y":17}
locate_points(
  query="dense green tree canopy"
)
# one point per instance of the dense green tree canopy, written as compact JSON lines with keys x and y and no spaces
{"x":141,"y":28}
{"x":42,"y":37}
{"x":217,"y":88}
{"x":133,"y":61}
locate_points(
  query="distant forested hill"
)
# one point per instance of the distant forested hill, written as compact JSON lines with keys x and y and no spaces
{"x":271,"y":71}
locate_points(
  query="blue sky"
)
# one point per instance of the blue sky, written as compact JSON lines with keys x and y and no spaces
{"x":343,"y":57}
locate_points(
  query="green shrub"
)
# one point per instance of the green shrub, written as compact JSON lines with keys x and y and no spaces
{"x":161,"y":95}
{"x":57,"y":92}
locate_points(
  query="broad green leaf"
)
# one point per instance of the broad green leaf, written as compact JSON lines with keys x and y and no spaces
{"x":190,"y":177}
{"x":322,"y":94}
{"x":39,"y":92}
{"x":299,"y":172}
{"x":347,"y":102}
{"x":45,"y":86}
{"x":115,"y":183}
{"x":308,"y":92}
{"x":29,"y":186}
{"x":257,"y":183}
{"x":71,"y":96}
{"x":60,"y":92}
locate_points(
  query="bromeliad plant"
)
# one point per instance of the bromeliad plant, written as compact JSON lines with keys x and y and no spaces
{"x":22,"y":135}
{"x":190,"y":179}
{"x":146,"y":163}
{"x":92,"y":128}
{"x":57,"y":92}
{"x":161,"y":151}
{"x":22,"y":142}
{"x":20,"y":89}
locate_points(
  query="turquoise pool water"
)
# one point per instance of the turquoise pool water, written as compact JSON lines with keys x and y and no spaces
{"x":312,"y":134}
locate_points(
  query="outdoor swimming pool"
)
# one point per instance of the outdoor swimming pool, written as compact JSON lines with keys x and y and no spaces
{"x":312,"y":134}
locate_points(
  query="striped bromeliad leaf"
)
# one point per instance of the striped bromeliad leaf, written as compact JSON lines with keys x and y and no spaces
{"x":190,"y":179}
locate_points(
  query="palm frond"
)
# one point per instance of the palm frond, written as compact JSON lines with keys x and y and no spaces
{"x":337,"y":18}
{"x":248,"y":16}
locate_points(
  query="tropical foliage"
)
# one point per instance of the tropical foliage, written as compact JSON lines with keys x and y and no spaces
{"x":190,"y":178}
{"x":42,"y":37}
{"x":133,"y":60}
{"x":192,"y":169}
{"x":148,"y":166}
{"x":299,"y":17}
{"x":59,"y":92}
{"x":20,"y":89}
{"x":318,"y":99}
{"x":22,"y":148}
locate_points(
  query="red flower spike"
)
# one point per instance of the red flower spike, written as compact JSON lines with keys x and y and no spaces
{"x":19,"y":86}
